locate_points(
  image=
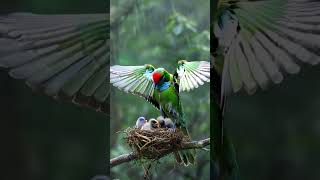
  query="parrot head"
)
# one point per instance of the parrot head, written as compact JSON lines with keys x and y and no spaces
{"x":157,"y":75}
{"x":182,"y":62}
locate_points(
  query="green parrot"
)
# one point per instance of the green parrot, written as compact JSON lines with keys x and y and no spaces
{"x":254,"y":44}
{"x":257,"y":42}
{"x":162,"y":89}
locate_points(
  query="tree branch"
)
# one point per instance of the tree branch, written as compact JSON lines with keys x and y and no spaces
{"x":133,"y":156}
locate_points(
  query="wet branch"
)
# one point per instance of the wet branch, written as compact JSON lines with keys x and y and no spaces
{"x":133,"y":156}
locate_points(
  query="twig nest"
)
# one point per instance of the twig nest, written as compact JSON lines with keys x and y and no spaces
{"x":154,"y":144}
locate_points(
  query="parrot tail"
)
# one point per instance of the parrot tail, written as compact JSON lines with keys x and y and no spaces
{"x":177,"y":157}
{"x":185,"y":156}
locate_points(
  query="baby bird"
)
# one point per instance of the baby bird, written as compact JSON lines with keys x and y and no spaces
{"x":165,"y":122}
{"x":140,"y":122}
{"x":161,"y":121}
{"x":168,"y":123}
{"x":150,"y":125}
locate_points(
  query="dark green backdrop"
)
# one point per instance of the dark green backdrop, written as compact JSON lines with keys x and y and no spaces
{"x":42,"y":138}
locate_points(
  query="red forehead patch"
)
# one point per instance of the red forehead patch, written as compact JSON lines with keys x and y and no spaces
{"x":156,"y":77}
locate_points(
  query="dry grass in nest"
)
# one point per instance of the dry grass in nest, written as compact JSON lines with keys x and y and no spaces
{"x":154,"y":144}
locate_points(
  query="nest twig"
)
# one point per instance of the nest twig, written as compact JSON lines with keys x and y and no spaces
{"x":123,"y":158}
{"x":154,"y":144}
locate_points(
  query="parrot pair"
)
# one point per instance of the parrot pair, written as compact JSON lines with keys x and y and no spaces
{"x":162,"y":89}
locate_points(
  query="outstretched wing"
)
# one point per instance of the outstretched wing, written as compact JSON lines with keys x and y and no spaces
{"x":192,"y":74}
{"x":63,"y":56}
{"x":134,"y":79}
{"x":263,"y":40}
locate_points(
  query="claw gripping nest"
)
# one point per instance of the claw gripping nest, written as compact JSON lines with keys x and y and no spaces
{"x":154,"y":144}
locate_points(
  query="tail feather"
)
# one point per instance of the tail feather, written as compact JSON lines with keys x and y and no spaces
{"x":184,"y":158}
{"x":177,"y":157}
{"x":187,"y":156}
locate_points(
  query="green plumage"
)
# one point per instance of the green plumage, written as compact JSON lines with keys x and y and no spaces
{"x":170,"y":106}
{"x":63,"y":56}
{"x":255,"y":44}
{"x":162,"y":89}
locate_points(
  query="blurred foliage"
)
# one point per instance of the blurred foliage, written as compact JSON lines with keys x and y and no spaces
{"x":161,"y":33}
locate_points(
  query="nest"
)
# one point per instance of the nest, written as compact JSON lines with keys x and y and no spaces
{"x":154,"y":144}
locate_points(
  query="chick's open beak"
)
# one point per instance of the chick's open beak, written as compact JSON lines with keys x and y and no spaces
{"x":158,"y":124}
{"x":154,"y":123}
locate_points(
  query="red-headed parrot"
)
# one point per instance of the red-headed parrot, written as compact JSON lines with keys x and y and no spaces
{"x":162,"y":89}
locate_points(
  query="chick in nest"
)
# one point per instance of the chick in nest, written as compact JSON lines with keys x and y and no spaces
{"x":140,"y":122}
{"x":150,"y":125}
{"x":165,"y":122}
